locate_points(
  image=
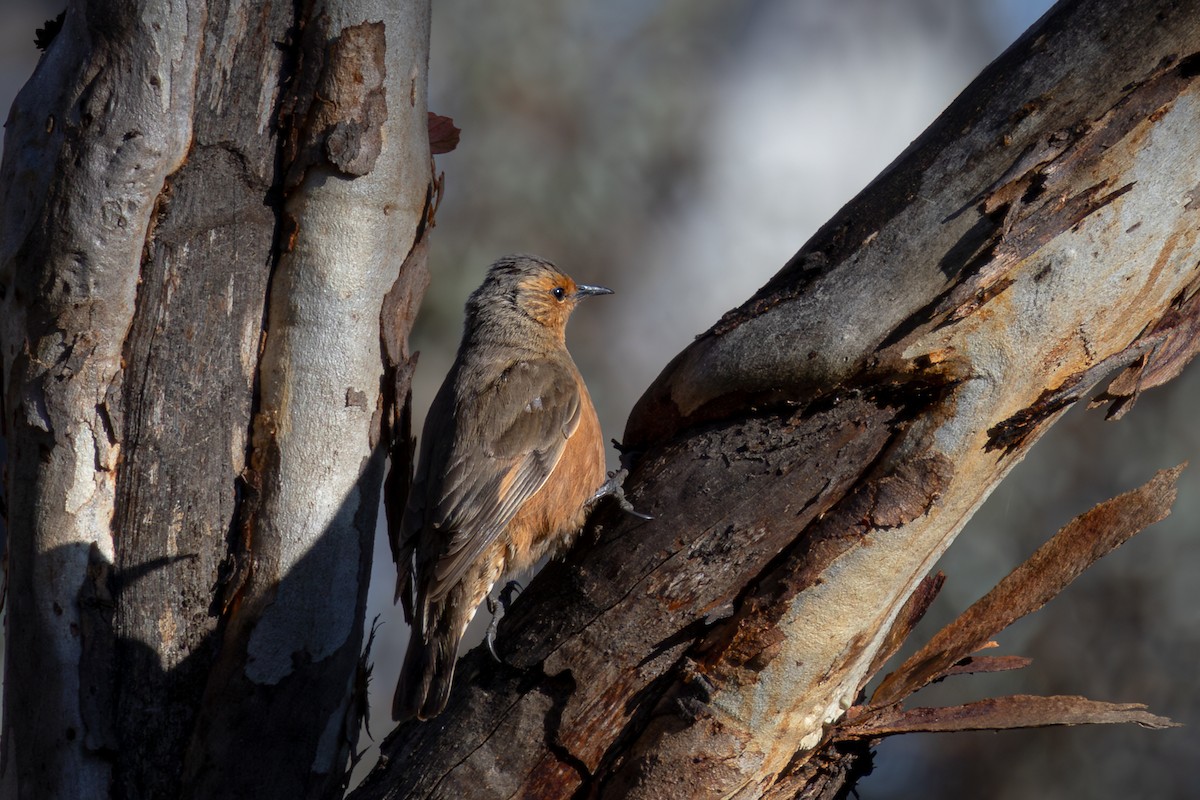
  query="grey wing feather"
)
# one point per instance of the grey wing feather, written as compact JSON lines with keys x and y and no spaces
{"x":523,"y":421}
{"x":440,"y":424}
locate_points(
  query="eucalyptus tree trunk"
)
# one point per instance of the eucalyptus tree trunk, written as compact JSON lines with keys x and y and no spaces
{"x":202,"y":208}
{"x":809,"y":458}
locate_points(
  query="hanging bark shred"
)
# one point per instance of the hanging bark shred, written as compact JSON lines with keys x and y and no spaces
{"x":1003,"y":713}
{"x":912,"y":613}
{"x":1030,"y":586}
{"x":1177,"y":340}
{"x":443,"y":134}
{"x":972,"y":665}
{"x":397,"y":315}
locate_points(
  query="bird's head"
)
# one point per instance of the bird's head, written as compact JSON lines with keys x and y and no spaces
{"x":521,"y":289}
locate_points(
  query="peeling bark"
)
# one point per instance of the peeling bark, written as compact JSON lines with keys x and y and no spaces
{"x":192,"y":365}
{"x":91,"y":141}
{"x":809,"y":458}
{"x":1077,"y":546}
{"x":1019,"y":711}
{"x":351,"y":212}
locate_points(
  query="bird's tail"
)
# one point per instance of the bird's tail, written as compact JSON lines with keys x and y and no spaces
{"x":428,"y":670}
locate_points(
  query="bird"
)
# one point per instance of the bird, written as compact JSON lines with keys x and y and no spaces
{"x":511,"y":462}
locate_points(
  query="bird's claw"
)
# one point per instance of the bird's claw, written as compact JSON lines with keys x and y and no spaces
{"x":510,"y":590}
{"x":490,"y":636}
{"x":502,"y":602}
{"x":614,"y":488}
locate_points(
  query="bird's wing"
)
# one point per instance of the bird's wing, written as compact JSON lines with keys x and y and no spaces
{"x":439,"y":428}
{"x":508,"y":440}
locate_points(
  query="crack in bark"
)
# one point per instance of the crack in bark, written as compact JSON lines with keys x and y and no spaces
{"x":501,"y":719}
{"x":1013,"y":432}
{"x":554,"y":723}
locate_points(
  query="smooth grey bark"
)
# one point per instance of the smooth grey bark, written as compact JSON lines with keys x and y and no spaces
{"x":194,"y":250}
{"x":809,"y":458}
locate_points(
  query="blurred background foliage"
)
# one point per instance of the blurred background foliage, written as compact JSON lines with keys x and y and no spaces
{"x":680,"y":151}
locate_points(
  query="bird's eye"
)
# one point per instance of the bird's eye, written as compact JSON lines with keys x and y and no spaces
{"x":559,"y":293}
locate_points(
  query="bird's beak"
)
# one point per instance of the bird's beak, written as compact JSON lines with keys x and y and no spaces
{"x":583,"y":290}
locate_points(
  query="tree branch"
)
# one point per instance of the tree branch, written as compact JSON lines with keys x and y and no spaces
{"x":809,"y":458}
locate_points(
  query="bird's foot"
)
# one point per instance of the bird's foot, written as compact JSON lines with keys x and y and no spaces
{"x":503,"y":601}
{"x":614,"y":488}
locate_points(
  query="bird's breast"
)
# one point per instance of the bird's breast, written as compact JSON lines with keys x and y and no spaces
{"x":547,"y":522}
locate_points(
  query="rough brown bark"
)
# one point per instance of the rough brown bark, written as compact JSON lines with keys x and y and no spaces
{"x":809,"y":458}
{"x":181,"y":413}
{"x":203,"y":207}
